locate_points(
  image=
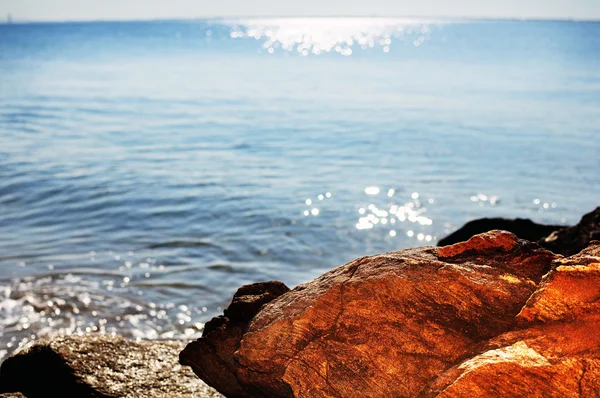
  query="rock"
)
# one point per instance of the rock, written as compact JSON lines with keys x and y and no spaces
{"x":523,"y":228}
{"x":556,"y":350}
{"x":382,"y":326}
{"x":571,"y":291}
{"x":212,"y":358}
{"x":100,"y":366}
{"x":558,"y":239}
{"x":572,"y":240}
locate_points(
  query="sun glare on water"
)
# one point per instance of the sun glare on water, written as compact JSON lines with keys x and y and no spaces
{"x":314,"y":36}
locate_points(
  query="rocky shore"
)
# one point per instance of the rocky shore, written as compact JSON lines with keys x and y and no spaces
{"x":493,"y":316}
{"x":102,"y":366}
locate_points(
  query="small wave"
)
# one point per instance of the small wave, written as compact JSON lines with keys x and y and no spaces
{"x":87,"y":271}
{"x":22,"y":256}
{"x":177,"y":269}
{"x":181,"y":243}
{"x":223,"y":267}
{"x":172,"y":284}
{"x":58,"y":304}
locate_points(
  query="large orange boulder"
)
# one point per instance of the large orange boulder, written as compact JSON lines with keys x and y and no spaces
{"x":474,"y":318}
{"x":556,"y":350}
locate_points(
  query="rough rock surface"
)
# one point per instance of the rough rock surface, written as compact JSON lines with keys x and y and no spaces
{"x":479,"y":318}
{"x":572,"y":240}
{"x":100,"y":366}
{"x":213,"y":359}
{"x":523,"y":228}
{"x":555,"y":352}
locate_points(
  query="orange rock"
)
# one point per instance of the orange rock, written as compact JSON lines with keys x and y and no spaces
{"x":493,"y":240}
{"x":547,"y":360}
{"x":502,"y":250}
{"x":555,"y":353}
{"x":523,"y":228}
{"x":382,"y":326}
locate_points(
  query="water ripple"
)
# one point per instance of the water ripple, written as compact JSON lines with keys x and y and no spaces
{"x":45,"y":306}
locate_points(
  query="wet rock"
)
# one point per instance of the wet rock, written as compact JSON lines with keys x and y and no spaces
{"x":572,"y":240}
{"x":100,"y":366}
{"x":380,"y":326}
{"x":523,"y":228}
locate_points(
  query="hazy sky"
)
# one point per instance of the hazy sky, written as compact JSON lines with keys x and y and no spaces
{"x":153,"y":9}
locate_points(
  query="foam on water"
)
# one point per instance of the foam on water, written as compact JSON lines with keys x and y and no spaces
{"x":37,"y":307}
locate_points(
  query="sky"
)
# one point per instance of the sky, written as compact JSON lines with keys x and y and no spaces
{"x":66,"y":10}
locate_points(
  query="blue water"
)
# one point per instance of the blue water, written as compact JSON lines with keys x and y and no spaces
{"x":148,"y":169}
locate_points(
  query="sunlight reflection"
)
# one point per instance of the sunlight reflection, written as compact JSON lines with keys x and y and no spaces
{"x":483,"y":199}
{"x":382,"y":213}
{"x":386,"y":210}
{"x":372,"y":190}
{"x":315,"y":211}
{"x":315,"y":36}
{"x":541,"y":205}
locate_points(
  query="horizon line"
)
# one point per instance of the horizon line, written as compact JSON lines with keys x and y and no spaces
{"x":11,"y":21}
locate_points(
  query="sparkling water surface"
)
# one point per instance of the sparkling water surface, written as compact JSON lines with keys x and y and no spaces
{"x":148,"y":169}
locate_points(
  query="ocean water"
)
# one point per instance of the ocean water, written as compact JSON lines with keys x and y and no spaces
{"x":148,"y":169}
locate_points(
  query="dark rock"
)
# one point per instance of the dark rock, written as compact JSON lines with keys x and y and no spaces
{"x":559,"y":239}
{"x":212,"y":356}
{"x":523,"y":228}
{"x":249,"y":299}
{"x":382,"y":326}
{"x":100,"y":366}
{"x":572,"y":240}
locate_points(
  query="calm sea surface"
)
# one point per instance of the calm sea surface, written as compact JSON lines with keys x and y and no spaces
{"x":148,"y":169}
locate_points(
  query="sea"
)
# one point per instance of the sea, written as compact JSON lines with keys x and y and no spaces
{"x":149,"y":169}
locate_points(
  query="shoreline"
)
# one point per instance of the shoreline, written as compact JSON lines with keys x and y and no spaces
{"x":479,"y":307}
